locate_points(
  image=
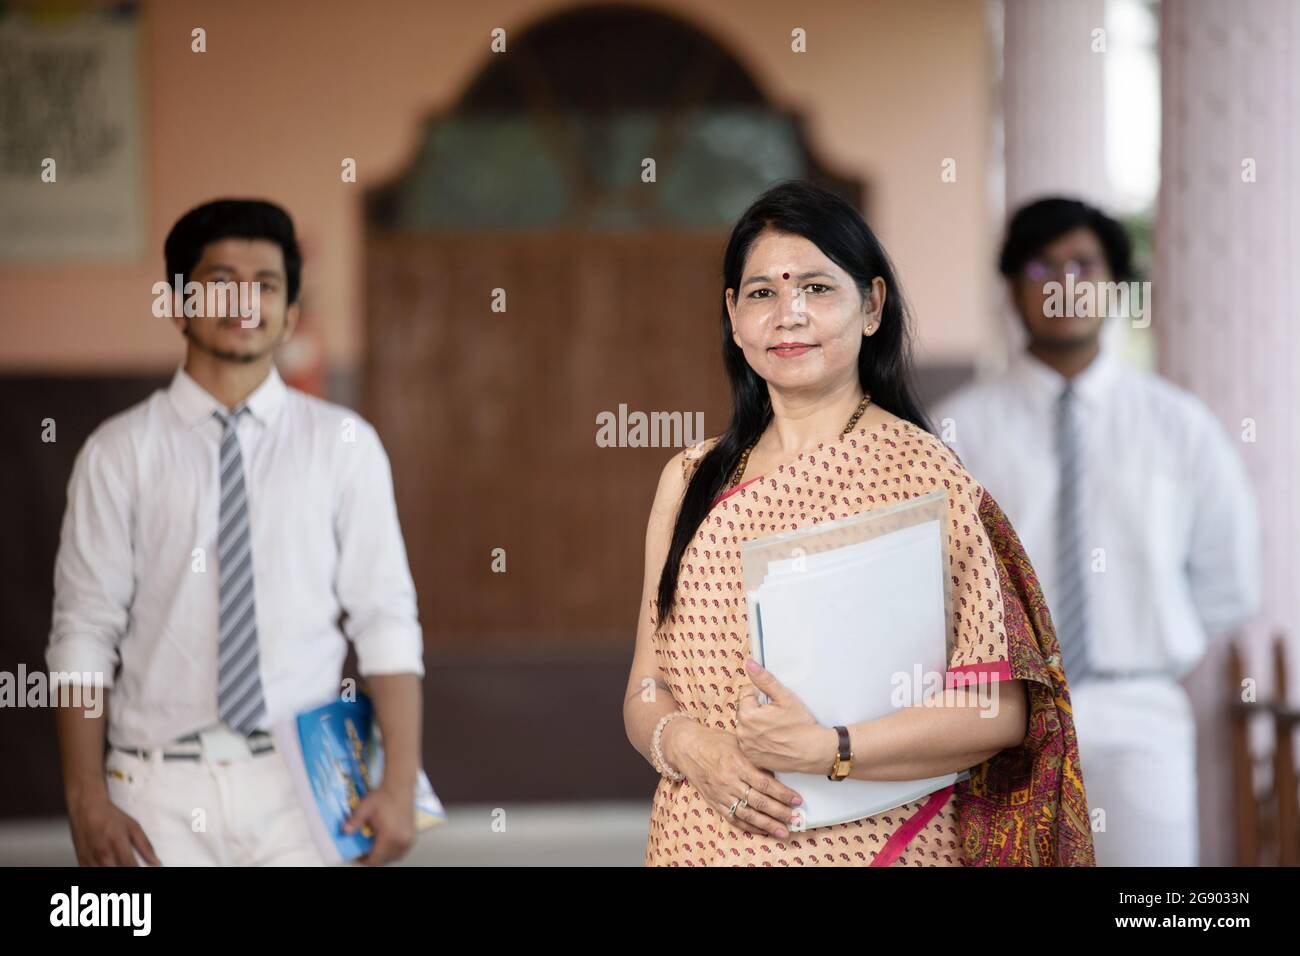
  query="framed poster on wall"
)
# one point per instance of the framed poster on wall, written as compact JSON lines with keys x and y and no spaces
{"x":71,"y":145}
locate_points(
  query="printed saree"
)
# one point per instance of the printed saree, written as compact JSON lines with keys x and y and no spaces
{"x":1026,"y":806}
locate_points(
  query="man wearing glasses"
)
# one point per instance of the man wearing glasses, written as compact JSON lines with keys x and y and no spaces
{"x":223,"y":541}
{"x":1135,"y":510}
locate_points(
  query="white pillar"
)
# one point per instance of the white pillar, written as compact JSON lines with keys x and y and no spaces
{"x":1053,"y":100}
{"x":1225,"y":300}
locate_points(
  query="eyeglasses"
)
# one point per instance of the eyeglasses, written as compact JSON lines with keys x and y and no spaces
{"x":1040,"y":270}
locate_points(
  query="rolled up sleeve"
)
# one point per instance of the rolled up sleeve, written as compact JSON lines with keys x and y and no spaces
{"x":94,"y":571}
{"x":373,"y":582}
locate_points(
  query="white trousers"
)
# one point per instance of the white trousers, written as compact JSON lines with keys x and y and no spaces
{"x":1137,"y":751}
{"x":241,"y":812}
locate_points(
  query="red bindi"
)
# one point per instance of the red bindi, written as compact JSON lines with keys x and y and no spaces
{"x":785,"y":275}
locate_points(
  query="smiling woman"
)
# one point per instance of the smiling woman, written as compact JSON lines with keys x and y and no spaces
{"x":824,"y":425}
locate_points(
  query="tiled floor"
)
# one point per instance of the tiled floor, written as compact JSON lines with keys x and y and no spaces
{"x":598,"y":834}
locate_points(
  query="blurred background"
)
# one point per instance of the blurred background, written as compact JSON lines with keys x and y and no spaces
{"x":522,"y":170}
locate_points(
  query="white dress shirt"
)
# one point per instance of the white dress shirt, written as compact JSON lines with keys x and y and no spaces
{"x":136,"y":574}
{"x":1169,"y":514}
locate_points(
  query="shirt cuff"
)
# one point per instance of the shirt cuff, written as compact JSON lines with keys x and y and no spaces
{"x":390,"y":649}
{"x":81,"y":660}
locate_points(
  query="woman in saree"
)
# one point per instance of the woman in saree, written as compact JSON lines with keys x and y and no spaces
{"x":824,"y":425}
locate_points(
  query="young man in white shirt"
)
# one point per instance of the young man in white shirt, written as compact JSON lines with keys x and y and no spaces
{"x":1136,"y":512}
{"x":214,"y":536}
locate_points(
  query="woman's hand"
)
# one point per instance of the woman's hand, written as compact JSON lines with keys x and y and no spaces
{"x":712,"y":762}
{"x":782,"y":735}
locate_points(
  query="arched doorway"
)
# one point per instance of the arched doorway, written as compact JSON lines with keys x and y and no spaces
{"x":529,"y":192}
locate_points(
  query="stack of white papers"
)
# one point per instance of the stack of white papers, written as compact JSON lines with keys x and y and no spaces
{"x":849,"y":614}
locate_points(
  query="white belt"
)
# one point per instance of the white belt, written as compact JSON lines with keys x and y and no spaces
{"x":218,"y":744}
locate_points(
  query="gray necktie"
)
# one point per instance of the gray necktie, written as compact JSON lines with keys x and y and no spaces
{"x":239,"y":684}
{"x":1070,"y":615}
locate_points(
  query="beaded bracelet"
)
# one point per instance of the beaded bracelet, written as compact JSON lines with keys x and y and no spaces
{"x":656,"y":752}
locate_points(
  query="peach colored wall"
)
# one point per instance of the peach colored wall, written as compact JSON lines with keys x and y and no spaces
{"x":287,"y":89}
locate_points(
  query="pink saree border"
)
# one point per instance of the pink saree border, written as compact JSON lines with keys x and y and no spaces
{"x":901,"y":837}
{"x":731,"y":491}
{"x":973,"y":673}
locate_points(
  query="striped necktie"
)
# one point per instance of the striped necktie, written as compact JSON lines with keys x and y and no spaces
{"x":239,"y":685}
{"x":1070,"y":615}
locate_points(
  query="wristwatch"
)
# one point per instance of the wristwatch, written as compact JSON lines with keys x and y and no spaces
{"x":844,"y":758}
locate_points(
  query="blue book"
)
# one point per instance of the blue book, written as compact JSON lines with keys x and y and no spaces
{"x":335,"y":756}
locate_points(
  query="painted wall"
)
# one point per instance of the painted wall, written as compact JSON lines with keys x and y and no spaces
{"x":286,"y":90}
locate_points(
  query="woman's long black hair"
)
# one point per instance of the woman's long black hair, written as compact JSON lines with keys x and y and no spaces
{"x":884,"y":360}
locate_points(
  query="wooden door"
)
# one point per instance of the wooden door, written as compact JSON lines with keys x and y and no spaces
{"x":490,"y":418}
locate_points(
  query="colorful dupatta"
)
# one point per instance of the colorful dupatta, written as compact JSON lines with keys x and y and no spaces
{"x":1027,"y":806}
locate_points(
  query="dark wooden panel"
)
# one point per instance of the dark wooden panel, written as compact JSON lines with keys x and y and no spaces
{"x":490,"y":418}
{"x":544,"y":725}
{"x":33,"y":491}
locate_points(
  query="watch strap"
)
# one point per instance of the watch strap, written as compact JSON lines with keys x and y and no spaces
{"x":843,"y":756}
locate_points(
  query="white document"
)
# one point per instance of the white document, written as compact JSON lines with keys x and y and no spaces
{"x":849,"y":614}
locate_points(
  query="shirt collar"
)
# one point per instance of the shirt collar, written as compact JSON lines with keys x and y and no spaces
{"x":195,"y":404}
{"x":1090,"y":385}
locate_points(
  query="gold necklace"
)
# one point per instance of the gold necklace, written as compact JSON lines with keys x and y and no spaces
{"x":744,"y":456}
